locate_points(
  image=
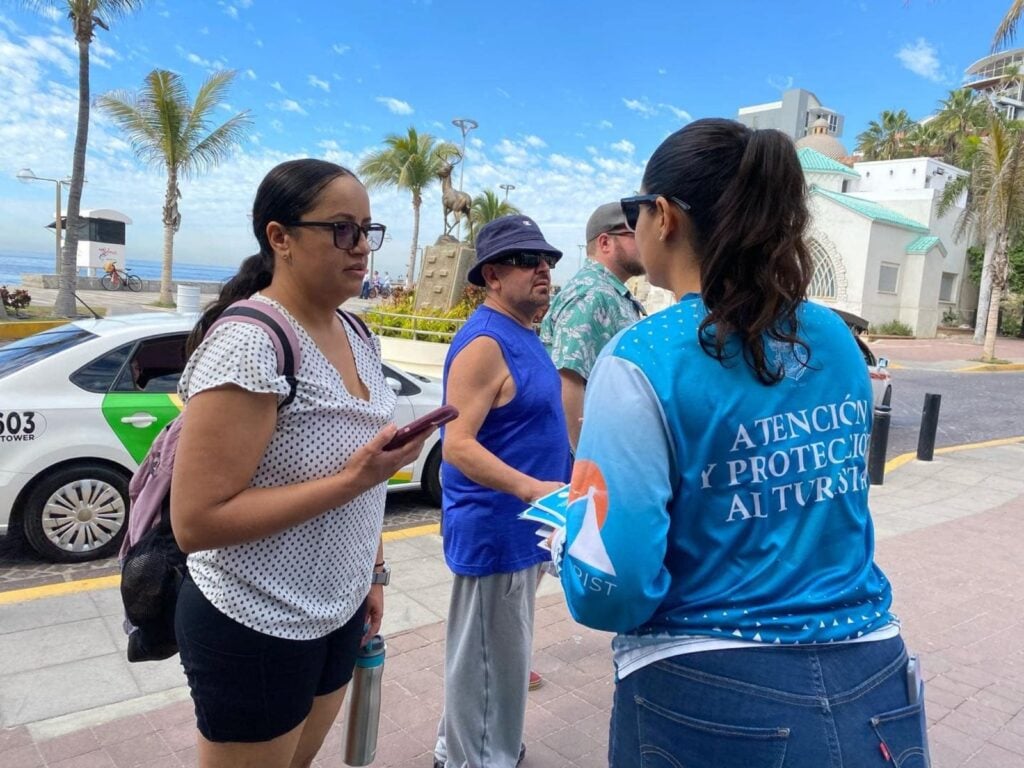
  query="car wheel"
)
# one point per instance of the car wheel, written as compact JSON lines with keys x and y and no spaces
{"x":432,"y":475}
{"x":78,"y":513}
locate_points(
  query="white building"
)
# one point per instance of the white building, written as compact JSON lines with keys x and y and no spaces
{"x":880,"y":248}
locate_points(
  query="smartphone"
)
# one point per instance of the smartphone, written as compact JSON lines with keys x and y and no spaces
{"x":417,"y":427}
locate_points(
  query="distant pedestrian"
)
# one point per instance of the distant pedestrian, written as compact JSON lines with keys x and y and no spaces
{"x":364,"y":292}
{"x":592,"y":307}
{"x":508,"y":447}
{"x":718,"y":516}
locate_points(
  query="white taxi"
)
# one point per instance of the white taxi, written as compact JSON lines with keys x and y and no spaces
{"x":80,"y":405}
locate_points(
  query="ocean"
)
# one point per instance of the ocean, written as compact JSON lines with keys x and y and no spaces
{"x":15,"y":263}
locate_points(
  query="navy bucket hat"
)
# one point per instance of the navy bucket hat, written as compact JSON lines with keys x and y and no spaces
{"x":509,"y":234}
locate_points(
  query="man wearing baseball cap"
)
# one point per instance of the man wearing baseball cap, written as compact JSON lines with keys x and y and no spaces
{"x":592,"y":307}
{"x":508,"y":447}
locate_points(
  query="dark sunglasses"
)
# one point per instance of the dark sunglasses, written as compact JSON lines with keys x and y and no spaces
{"x":528,"y":260}
{"x":631,"y":206}
{"x":346,"y":233}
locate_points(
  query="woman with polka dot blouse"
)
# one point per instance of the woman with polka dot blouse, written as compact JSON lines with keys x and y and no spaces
{"x":280,"y":503}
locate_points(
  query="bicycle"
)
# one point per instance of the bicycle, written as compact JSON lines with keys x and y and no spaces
{"x":116,"y":279}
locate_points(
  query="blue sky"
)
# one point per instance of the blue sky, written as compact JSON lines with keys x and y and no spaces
{"x":571,"y":97}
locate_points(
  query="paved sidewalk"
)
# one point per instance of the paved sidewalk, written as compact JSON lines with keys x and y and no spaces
{"x":949,"y":535}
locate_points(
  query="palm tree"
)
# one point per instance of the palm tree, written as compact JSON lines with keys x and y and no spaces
{"x":169,"y":132}
{"x":925,"y":140}
{"x":961,"y":114}
{"x":1008,"y":26}
{"x":885,"y":139}
{"x":85,"y":16}
{"x":487,"y":206}
{"x":409,"y":162}
{"x":995,"y":211}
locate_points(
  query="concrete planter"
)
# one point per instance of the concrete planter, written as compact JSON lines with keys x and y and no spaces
{"x":424,"y":357}
{"x":12,"y":328}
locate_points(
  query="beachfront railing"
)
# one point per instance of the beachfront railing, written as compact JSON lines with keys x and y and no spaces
{"x":416,"y":327}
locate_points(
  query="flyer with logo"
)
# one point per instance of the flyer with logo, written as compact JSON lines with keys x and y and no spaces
{"x":549,"y":511}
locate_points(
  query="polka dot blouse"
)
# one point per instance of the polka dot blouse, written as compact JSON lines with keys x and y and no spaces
{"x":308,"y":580}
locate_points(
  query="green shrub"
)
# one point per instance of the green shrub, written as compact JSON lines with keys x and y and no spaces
{"x":892,"y":328}
{"x":439,"y":326}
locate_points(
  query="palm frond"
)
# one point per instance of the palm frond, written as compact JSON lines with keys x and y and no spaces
{"x":1007,"y":28}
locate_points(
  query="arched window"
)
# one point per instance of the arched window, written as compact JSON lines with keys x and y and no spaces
{"x":823,"y":280}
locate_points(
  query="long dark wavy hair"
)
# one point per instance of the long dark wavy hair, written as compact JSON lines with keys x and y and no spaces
{"x":287,"y":192}
{"x":747,"y":199}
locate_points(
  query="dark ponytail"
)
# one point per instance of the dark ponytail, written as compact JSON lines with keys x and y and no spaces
{"x":747,"y":195}
{"x":288,"y":191}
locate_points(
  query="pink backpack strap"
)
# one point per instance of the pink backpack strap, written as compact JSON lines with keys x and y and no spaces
{"x":277,"y":327}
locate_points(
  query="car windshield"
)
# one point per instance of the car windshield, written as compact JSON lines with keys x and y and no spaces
{"x":31,"y":349}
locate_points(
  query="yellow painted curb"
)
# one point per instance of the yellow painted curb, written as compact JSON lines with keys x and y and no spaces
{"x":990,"y":368}
{"x":19,"y":329}
{"x":58,"y":590}
{"x":906,"y":458}
{"x":107,"y":582}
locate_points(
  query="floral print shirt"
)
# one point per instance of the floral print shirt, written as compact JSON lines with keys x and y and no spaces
{"x":592,"y":307}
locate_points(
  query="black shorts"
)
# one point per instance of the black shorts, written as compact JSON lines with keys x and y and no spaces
{"x":248,"y":686}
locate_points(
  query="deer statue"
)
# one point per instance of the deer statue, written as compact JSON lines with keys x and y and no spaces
{"x":454,"y":201}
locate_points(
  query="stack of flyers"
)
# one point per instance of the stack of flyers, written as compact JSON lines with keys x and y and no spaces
{"x":549,"y":511}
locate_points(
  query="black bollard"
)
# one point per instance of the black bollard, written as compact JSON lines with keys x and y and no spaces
{"x":879,"y":444}
{"x":929,"y":425}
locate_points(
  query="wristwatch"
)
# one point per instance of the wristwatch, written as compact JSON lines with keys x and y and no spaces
{"x":383,"y":576}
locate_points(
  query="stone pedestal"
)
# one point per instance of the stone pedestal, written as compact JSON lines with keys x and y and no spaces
{"x":443,"y":275}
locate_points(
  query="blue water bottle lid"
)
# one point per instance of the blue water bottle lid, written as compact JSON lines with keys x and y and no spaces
{"x":372,"y":654}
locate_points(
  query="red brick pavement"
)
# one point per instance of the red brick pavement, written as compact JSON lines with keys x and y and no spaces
{"x":959,"y":589}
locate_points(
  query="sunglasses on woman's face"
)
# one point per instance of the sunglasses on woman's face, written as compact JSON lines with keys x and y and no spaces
{"x":346,"y":233}
{"x":631,"y":206}
{"x":528,"y":260}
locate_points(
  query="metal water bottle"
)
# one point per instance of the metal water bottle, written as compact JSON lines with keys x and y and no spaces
{"x":364,"y":704}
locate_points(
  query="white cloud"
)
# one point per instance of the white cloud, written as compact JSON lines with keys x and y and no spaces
{"x":921,"y":59}
{"x":50,"y":12}
{"x":290,"y":105}
{"x":503,"y":92}
{"x":204,"y":31}
{"x":277,"y":86}
{"x":210,"y":65}
{"x":605,"y":125}
{"x":640,"y":105}
{"x":560,"y":161}
{"x":662,"y":71}
{"x":396,"y":106}
{"x":316,"y":82}
{"x":780,"y":83}
{"x":681,"y":114}
{"x":251,"y":74}
{"x":625,"y":146}
{"x":277,"y":125}
{"x":535,"y":141}
{"x":645,"y":109}
{"x":231,"y":11}
{"x":341,"y":49}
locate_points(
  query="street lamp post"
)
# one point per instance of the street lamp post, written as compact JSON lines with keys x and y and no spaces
{"x":508,"y":188}
{"x":465,"y":125}
{"x":26,"y":175}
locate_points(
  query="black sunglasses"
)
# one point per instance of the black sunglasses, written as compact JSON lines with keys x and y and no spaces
{"x":346,"y":233}
{"x":528,"y":260}
{"x":631,"y":206}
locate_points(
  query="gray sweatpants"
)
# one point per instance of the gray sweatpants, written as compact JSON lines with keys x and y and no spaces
{"x":486,"y":669}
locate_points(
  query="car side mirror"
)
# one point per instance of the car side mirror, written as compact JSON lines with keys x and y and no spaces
{"x":883,"y":362}
{"x":395,"y":384}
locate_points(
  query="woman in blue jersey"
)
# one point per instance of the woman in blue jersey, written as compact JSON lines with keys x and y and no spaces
{"x":718,"y":519}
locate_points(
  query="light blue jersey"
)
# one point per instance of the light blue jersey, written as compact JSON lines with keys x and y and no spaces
{"x":707,"y":504}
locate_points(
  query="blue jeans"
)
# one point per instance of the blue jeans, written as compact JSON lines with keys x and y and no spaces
{"x":830,"y":706}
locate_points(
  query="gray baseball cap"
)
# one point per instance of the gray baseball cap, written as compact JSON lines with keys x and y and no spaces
{"x":607,"y":218}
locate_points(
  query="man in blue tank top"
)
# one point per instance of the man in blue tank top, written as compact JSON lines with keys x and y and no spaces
{"x":508,"y":447}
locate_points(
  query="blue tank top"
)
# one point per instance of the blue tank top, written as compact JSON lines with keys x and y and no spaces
{"x":481,"y":527}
